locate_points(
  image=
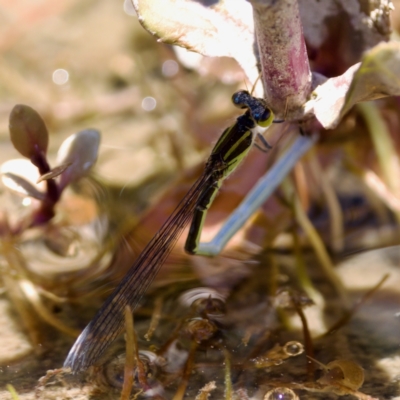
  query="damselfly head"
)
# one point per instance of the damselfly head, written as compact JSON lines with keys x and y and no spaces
{"x":257,"y":108}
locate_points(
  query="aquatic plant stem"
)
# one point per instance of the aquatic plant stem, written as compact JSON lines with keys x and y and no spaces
{"x":316,"y":242}
{"x":384,"y":147}
{"x":13,"y":392}
{"x":335,"y":211}
{"x":129,"y":370}
{"x":301,"y":270}
{"x":283,"y":55}
{"x":155,"y":317}
{"x":359,"y":303}
{"x":180,"y":393}
{"x":308,"y":343}
{"x":22,"y":291}
{"x":228,"y":378}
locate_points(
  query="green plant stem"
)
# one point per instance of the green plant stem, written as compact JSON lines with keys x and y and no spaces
{"x":228,"y":378}
{"x":13,"y":392}
{"x":334,"y":209}
{"x":316,"y":241}
{"x":302,"y":273}
{"x":383,"y":144}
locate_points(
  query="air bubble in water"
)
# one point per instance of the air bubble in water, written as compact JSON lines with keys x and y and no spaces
{"x":293,"y":348}
{"x":281,"y":393}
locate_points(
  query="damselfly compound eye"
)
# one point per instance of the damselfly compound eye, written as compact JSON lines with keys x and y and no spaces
{"x":241,"y":99}
{"x":265,"y":119}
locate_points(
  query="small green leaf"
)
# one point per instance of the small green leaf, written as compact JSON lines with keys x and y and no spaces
{"x":28,"y":131}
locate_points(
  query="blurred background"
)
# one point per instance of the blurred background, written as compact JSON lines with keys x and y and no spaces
{"x":91,"y":64}
{"x":159,"y":110}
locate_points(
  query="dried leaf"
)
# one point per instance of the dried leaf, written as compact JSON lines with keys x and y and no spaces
{"x":375,"y":77}
{"x":28,"y":131}
{"x":378,"y":75}
{"x":79,"y":152}
{"x":225,"y":29}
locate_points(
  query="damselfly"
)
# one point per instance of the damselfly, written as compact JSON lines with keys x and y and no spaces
{"x":229,"y":151}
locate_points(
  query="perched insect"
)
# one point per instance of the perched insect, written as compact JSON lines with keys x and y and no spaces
{"x":230,"y":150}
{"x":232,"y":147}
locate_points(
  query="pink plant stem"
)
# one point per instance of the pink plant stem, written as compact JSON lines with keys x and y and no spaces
{"x":283,"y":55}
{"x":46,"y":210}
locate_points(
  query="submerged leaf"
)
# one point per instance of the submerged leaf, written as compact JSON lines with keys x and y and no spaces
{"x":28,"y":131}
{"x":79,"y":153}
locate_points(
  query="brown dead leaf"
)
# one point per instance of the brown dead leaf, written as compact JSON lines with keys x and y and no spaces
{"x":225,"y":29}
{"x":375,"y":77}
